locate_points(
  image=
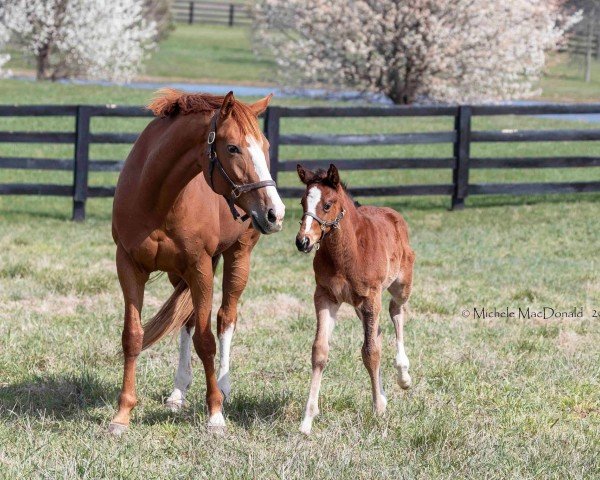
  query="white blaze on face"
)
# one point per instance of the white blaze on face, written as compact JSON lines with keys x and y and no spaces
{"x":260,"y":166}
{"x":312,"y":200}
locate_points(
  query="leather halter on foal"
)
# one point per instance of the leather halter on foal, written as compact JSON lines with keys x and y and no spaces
{"x":324,"y":224}
{"x":236,"y":190}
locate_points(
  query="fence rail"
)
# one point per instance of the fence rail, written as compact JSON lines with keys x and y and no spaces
{"x":220,"y":13}
{"x":461,"y":137}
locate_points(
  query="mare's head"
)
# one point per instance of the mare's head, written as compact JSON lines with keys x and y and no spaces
{"x":241,"y":149}
{"x":322,"y":204}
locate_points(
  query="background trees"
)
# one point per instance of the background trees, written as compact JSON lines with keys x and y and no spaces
{"x":81,"y":38}
{"x":433,"y":50}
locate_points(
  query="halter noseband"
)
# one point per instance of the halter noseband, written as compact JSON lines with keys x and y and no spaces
{"x":335,"y":223}
{"x":236,"y":190}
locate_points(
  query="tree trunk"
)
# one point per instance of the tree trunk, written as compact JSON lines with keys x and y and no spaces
{"x":42,"y":62}
{"x":590,"y":47}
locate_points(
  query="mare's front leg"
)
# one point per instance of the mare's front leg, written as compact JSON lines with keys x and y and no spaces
{"x":200,"y":280}
{"x":236,"y":268}
{"x":326,"y":317}
{"x":132,"y":280}
{"x":371,"y":349}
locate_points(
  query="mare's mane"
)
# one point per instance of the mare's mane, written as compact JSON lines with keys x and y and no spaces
{"x":169,"y":102}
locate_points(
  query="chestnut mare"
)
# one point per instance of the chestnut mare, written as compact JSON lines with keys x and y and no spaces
{"x":363,"y":251}
{"x":176,"y":210}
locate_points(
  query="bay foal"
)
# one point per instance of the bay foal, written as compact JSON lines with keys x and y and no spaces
{"x":361,"y":251}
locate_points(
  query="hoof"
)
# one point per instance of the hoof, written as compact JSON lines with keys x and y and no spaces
{"x":379,"y":409}
{"x":117,"y":429}
{"x":305,"y":428}
{"x":216,"y":424}
{"x":174,"y":405}
{"x":404,"y":380}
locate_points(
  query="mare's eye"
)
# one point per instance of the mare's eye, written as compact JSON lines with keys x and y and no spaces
{"x":233,"y":149}
{"x":327,"y":206}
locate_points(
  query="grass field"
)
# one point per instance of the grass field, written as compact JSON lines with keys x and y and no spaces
{"x":495,"y":398}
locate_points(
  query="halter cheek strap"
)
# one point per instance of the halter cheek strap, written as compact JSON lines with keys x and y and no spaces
{"x":236,"y":190}
{"x":335,"y":223}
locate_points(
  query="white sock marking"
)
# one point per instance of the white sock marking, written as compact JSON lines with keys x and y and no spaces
{"x":183,"y":377}
{"x":224,"y":350}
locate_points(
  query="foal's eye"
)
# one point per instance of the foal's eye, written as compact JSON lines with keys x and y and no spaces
{"x":327,"y":206}
{"x":233,"y":149}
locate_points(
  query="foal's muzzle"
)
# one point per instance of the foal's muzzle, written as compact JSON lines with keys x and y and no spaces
{"x":303,"y":244}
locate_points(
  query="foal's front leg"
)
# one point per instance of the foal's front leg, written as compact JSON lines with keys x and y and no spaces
{"x":371,"y":350}
{"x":326,"y":317}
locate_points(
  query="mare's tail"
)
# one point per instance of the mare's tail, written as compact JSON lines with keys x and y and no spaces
{"x":174,"y":314}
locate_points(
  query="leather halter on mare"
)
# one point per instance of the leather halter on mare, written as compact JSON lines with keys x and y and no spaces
{"x":236,"y":190}
{"x":324,"y":224}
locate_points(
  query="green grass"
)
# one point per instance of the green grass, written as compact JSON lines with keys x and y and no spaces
{"x":491,"y":398}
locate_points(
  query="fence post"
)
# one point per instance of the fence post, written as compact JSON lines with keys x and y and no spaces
{"x":271,"y":129}
{"x":462,"y":152}
{"x":231,"y":13}
{"x":81,"y":163}
{"x":191,"y":13}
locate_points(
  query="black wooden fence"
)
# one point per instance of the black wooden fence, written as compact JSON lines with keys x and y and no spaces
{"x":219,"y":13}
{"x":461,"y":136}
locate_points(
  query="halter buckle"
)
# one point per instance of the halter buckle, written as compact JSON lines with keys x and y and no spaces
{"x":211,"y":137}
{"x":236,"y":192}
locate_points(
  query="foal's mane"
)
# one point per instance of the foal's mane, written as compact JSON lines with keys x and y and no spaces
{"x":169,"y":102}
{"x":320,"y":176}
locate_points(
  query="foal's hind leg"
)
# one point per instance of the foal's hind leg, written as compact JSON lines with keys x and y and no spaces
{"x":236,"y":268}
{"x":326,"y":316}
{"x":400,"y":293}
{"x":132,"y":281}
{"x":371,"y":350}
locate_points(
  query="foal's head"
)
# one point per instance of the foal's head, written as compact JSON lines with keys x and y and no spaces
{"x":323,"y":205}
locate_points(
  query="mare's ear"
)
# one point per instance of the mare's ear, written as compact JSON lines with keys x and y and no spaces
{"x":305,"y":174}
{"x":227,"y":106}
{"x":333,"y":177}
{"x":260,"y":106}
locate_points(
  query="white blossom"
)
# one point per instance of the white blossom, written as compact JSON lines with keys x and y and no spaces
{"x":428,"y":50}
{"x":82,"y":38}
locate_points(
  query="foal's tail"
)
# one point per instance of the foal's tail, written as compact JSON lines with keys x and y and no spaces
{"x":173,"y":315}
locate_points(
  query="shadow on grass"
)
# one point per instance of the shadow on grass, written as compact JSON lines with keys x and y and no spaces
{"x":57,"y":396}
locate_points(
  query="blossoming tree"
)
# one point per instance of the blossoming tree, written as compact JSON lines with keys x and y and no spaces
{"x":428,"y":50}
{"x":81,"y":38}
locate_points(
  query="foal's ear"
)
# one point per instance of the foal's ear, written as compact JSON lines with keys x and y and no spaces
{"x":305,"y":174}
{"x":333,"y":177}
{"x":260,"y":106}
{"x":227,"y":106}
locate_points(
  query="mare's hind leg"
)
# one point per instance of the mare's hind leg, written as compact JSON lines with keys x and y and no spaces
{"x":371,"y":350}
{"x":132,"y":281}
{"x":183,"y":376}
{"x":326,"y":316}
{"x":400,"y":293}
{"x":236,"y":268}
